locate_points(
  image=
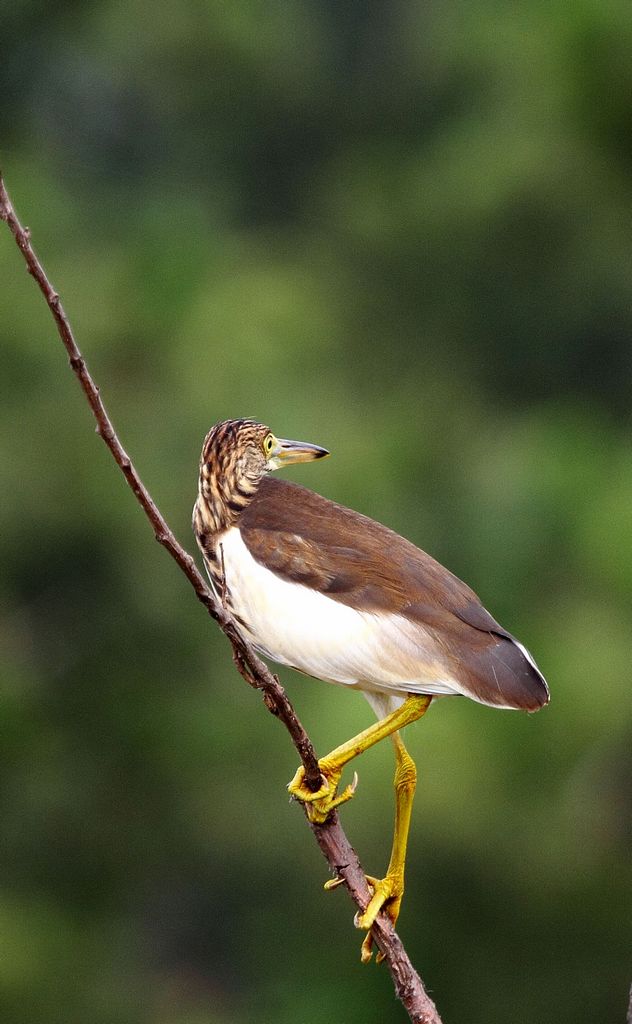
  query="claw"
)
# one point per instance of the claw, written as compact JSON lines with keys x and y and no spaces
{"x":366,"y":950}
{"x":387,"y":895}
{"x":320,"y":804}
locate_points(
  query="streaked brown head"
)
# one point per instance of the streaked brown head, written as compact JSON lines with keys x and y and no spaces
{"x":236,"y":455}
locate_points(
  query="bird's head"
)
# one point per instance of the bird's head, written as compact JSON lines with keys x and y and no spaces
{"x":237,"y":454}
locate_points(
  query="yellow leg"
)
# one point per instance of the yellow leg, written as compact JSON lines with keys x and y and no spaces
{"x":324,"y":800}
{"x":388,"y":891}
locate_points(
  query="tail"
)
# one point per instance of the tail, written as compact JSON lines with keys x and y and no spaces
{"x":503,"y":674}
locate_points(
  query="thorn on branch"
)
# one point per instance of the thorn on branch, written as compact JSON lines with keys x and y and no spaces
{"x":270,"y":703}
{"x":108,"y":435}
{"x":244,"y":668}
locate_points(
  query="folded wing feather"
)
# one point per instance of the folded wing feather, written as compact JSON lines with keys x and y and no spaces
{"x":304,"y":538}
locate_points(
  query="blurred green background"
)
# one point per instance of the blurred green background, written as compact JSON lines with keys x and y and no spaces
{"x":401,"y":231}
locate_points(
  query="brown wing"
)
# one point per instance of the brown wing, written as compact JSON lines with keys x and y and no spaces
{"x":305,"y":538}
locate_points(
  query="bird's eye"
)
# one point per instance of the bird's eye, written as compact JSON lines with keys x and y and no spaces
{"x":268,"y":444}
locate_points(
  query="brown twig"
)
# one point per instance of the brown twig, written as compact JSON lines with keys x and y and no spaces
{"x":331,"y":838}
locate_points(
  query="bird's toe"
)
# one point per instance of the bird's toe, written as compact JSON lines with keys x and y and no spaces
{"x":320,"y":804}
{"x":386,"y":895}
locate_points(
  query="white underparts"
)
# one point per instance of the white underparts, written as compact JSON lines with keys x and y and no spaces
{"x":302,"y":628}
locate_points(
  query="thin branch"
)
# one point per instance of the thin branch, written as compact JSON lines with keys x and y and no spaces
{"x":330,"y":836}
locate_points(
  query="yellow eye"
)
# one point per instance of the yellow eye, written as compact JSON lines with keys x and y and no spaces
{"x":268,"y":444}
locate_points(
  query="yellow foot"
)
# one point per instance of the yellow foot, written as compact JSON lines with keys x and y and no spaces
{"x":320,"y":804}
{"x":387,"y":895}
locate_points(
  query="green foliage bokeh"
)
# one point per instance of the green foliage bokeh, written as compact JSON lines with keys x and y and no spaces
{"x":401,"y":231}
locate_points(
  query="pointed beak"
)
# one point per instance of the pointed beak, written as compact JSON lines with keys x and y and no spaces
{"x":287,"y":452}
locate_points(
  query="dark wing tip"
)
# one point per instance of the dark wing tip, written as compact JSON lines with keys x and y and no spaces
{"x":502,"y":671}
{"x":508,"y":676}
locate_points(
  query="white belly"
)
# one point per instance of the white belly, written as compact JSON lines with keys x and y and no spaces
{"x":300,"y":627}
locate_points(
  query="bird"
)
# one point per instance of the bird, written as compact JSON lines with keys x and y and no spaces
{"x":339,"y":597}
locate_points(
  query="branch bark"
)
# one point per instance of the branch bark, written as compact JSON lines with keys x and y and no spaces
{"x":333,"y":842}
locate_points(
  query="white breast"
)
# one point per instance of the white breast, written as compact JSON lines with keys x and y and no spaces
{"x":300,"y":627}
